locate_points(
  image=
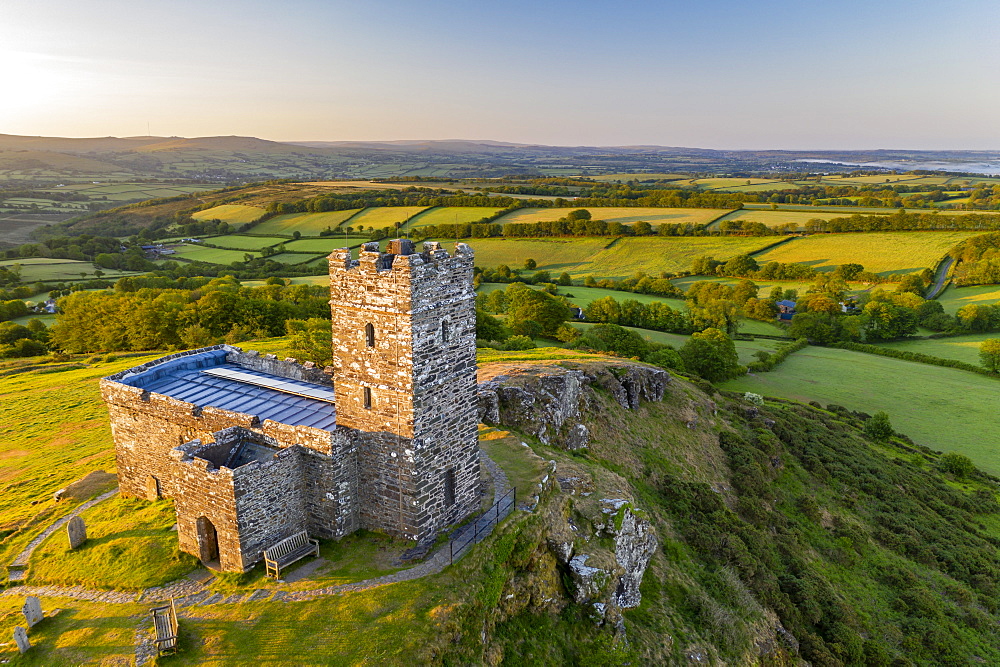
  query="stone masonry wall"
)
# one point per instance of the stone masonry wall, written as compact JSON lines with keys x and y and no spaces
{"x":421,"y":373}
{"x":203,"y":492}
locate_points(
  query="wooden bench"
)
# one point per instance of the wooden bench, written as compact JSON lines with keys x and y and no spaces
{"x":165,"y":622}
{"x":287,"y":551}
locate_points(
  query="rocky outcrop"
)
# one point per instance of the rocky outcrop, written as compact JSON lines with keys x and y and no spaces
{"x":548,"y":404}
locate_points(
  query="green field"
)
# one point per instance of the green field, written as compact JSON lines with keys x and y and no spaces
{"x":881,"y":252}
{"x":198,"y":253}
{"x":307,"y":224}
{"x":325,"y":244}
{"x":295,"y":258}
{"x":627,"y":255}
{"x":776,"y":218}
{"x":943,"y":408}
{"x":385,"y":216}
{"x":244,"y":242}
{"x":744,"y":348}
{"x":232,"y":213}
{"x":954,"y":298}
{"x":963,"y":348}
{"x":626,"y":216}
{"x":450,"y":215}
{"x":40,"y":268}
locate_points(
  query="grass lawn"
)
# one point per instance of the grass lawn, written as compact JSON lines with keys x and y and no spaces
{"x":962,"y":348}
{"x":626,"y":216}
{"x":244,"y":242}
{"x":449,"y":215}
{"x":307,"y":224}
{"x":198,"y":253}
{"x":880,"y":252}
{"x":129,"y":545}
{"x":231,"y":213}
{"x":942,"y":408}
{"x":954,"y":298}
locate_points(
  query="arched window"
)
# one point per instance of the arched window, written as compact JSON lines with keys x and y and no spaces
{"x":445,"y":333}
{"x":369,"y":335}
{"x":368,"y":398}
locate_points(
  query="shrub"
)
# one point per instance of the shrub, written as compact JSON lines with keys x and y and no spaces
{"x":878,"y":427}
{"x":959,"y":465}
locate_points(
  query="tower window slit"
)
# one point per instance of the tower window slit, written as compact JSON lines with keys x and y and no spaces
{"x":369,"y":335}
{"x":449,"y":487}
{"x":368,"y":398}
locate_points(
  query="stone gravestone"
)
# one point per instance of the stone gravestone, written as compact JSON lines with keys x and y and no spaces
{"x":76,"y":529}
{"x":21,"y":639}
{"x":32,"y":610}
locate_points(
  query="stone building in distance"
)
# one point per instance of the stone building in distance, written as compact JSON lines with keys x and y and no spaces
{"x":253,"y":449}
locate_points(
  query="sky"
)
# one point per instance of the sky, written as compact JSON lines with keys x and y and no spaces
{"x":734,"y":74}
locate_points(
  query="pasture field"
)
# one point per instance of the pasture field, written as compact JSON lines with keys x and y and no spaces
{"x":626,"y":216}
{"x":450,"y":215}
{"x":780,"y":217}
{"x":325,"y":244}
{"x":232,"y":213}
{"x":962,"y":348}
{"x":211,"y":255}
{"x":44,"y":269}
{"x":556,"y":254}
{"x":385,"y":216}
{"x":654,"y":254}
{"x":307,"y":224}
{"x":621,"y":178}
{"x":238,"y":242}
{"x":954,"y":298}
{"x":943,"y":408}
{"x":296,"y":258}
{"x":881,"y":252}
{"x":627,"y":255}
{"x":744,"y":348}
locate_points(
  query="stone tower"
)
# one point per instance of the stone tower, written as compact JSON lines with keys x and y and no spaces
{"x":404,"y":358}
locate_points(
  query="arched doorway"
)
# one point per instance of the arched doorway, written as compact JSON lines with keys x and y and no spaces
{"x":208,"y":541}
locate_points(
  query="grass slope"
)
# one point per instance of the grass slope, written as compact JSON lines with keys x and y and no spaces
{"x":880,"y":252}
{"x":962,"y":348}
{"x":954,"y":298}
{"x":239,"y":242}
{"x":942,"y":408}
{"x":450,"y":215}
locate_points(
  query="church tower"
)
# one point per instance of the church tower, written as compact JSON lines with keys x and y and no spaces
{"x":404,"y":359}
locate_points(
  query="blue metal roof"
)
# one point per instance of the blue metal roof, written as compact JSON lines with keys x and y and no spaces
{"x":255,"y":394}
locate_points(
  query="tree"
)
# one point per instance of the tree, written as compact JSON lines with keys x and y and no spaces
{"x":310,"y":340}
{"x":712,"y":355}
{"x":959,"y":465}
{"x":489,"y":327}
{"x":530,"y":264}
{"x":878,"y":427}
{"x":989,"y":354}
{"x":578,"y":214}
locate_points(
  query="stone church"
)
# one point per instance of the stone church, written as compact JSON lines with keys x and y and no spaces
{"x":253,"y":449}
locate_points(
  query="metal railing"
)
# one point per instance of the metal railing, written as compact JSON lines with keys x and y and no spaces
{"x":483,"y":525}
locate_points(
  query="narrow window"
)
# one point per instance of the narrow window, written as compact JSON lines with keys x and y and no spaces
{"x":368,"y":398}
{"x":369,"y":335}
{"x":445,"y":334}
{"x":449,"y":487}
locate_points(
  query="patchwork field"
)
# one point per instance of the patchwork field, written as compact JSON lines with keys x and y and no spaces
{"x":245,"y":242}
{"x":307,"y":224}
{"x":450,"y":215}
{"x":551,"y":254}
{"x":626,"y":216}
{"x":776,"y":218}
{"x":232,"y":213}
{"x":884,"y":253}
{"x":954,"y":298}
{"x":923,"y":401}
